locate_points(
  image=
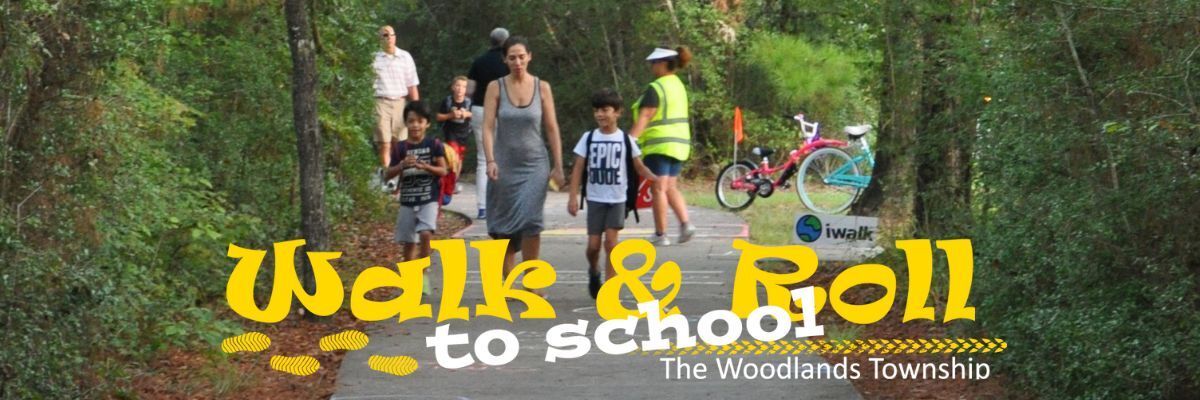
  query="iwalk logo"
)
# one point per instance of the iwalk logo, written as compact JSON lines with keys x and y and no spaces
{"x":861,"y":233}
{"x":834,"y":230}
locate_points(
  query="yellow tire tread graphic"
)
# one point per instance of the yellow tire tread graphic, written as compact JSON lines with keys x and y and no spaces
{"x":250,"y":341}
{"x":299,"y":365}
{"x":836,"y":346}
{"x":397,"y":365}
{"x":344,"y":340}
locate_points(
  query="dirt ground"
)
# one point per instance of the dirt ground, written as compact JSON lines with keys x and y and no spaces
{"x":210,"y":374}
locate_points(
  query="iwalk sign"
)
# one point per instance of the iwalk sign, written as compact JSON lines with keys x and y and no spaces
{"x":837,"y":237}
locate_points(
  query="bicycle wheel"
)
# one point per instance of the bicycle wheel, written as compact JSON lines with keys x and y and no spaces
{"x":814,"y":186}
{"x":727,"y":195}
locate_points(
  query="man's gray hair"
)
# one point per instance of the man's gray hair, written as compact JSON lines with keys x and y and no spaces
{"x":499,"y":35}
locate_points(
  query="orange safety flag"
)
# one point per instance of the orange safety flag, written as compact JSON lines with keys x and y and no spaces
{"x":737,"y":125}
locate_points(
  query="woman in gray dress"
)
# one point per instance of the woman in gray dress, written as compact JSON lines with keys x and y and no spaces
{"x":516,"y":109}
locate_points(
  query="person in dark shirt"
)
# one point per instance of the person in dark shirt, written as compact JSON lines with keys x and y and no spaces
{"x":486,"y":68}
{"x":455,"y":115}
{"x":421,"y":162}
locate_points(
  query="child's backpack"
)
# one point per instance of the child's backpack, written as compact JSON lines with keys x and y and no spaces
{"x":631,"y":181}
{"x":453,"y":166}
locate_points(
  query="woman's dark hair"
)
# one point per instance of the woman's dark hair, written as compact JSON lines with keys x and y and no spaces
{"x":607,"y":98}
{"x":680,"y":61}
{"x":420,"y":108}
{"x":516,"y":40}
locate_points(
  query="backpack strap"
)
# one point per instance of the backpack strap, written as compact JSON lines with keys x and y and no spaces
{"x":587,"y":153}
{"x":631,"y":182}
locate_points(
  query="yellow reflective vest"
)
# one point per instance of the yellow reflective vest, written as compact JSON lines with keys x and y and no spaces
{"x":668,"y":132}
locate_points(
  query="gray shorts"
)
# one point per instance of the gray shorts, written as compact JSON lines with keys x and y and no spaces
{"x":601,"y":216}
{"x":412,"y":220}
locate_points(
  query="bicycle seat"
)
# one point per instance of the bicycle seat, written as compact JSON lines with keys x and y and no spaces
{"x":856,"y":131}
{"x":762,"y":151}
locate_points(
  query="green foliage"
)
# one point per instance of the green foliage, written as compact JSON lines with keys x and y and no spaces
{"x":604,"y":45}
{"x":155,"y":133}
{"x":819,"y":79}
{"x":141,"y":137}
{"x":139,"y":163}
{"x":1086,"y":199}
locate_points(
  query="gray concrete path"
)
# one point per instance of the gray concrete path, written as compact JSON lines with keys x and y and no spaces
{"x":708,"y":262}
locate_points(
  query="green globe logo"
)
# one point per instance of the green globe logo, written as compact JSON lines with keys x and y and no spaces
{"x":808,"y":228}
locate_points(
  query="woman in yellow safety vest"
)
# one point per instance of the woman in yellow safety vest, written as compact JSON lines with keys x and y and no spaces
{"x":664,"y":135}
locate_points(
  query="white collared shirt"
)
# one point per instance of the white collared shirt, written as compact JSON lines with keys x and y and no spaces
{"x":394,"y":73}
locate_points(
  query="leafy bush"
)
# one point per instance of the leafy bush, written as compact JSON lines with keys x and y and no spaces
{"x":169,"y":140}
{"x":822,"y":80}
{"x":1086,"y":202}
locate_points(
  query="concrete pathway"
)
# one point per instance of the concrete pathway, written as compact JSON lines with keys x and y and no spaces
{"x":708,"y":262}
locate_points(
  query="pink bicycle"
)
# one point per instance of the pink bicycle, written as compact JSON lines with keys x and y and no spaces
{"x":830,"y":179}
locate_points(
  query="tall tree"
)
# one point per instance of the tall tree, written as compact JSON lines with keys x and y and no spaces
{"x":891,"y":194}
{"x":929,"y":108}
{"x":313,"y":224}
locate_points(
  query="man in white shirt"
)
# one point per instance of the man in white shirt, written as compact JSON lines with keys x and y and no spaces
{"x":395,"y":80}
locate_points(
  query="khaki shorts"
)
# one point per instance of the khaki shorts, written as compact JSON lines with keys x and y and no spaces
{"x":391,"y":126}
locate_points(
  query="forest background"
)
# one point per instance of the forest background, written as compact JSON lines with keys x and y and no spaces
{"x":139,"y":138}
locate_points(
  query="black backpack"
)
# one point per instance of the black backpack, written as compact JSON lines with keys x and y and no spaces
{"x":631,"y":184}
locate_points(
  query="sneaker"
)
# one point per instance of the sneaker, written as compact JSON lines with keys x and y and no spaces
{"x":458,"y":188}
{"x":686,"y":231}
{"x":593,"y":283}
{"x":482,"y":214}
{"x":660,"y":240}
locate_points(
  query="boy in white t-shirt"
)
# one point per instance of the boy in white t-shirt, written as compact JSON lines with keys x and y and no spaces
{"x":607,"y":156}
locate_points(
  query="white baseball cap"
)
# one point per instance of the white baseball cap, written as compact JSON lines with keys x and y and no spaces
{"x":661,"y":54}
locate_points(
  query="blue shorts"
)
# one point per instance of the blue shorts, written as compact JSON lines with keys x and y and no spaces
{"x":662,"y":165}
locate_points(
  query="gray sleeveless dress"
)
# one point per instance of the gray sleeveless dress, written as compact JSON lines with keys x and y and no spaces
{"x":516,"y":200}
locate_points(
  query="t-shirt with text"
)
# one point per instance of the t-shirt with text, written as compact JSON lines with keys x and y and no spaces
{"x":418,"y":186}
{"x":605,"y":172}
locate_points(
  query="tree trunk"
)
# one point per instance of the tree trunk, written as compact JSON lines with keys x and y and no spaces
{"x":921,"y":181}
{"x":313,"y":224}
{"x":892,"y":192}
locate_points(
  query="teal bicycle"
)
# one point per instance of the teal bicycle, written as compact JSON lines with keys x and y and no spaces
{"x":830,"y":179}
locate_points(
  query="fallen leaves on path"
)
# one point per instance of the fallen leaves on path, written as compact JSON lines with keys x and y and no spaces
{"x":210,"y":374}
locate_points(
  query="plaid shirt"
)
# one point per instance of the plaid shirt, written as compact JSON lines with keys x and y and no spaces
{"x":394,"y":73}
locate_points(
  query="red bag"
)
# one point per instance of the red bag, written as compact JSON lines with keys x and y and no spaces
{"x":454,"y":164}
{"x":644,"y":199}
